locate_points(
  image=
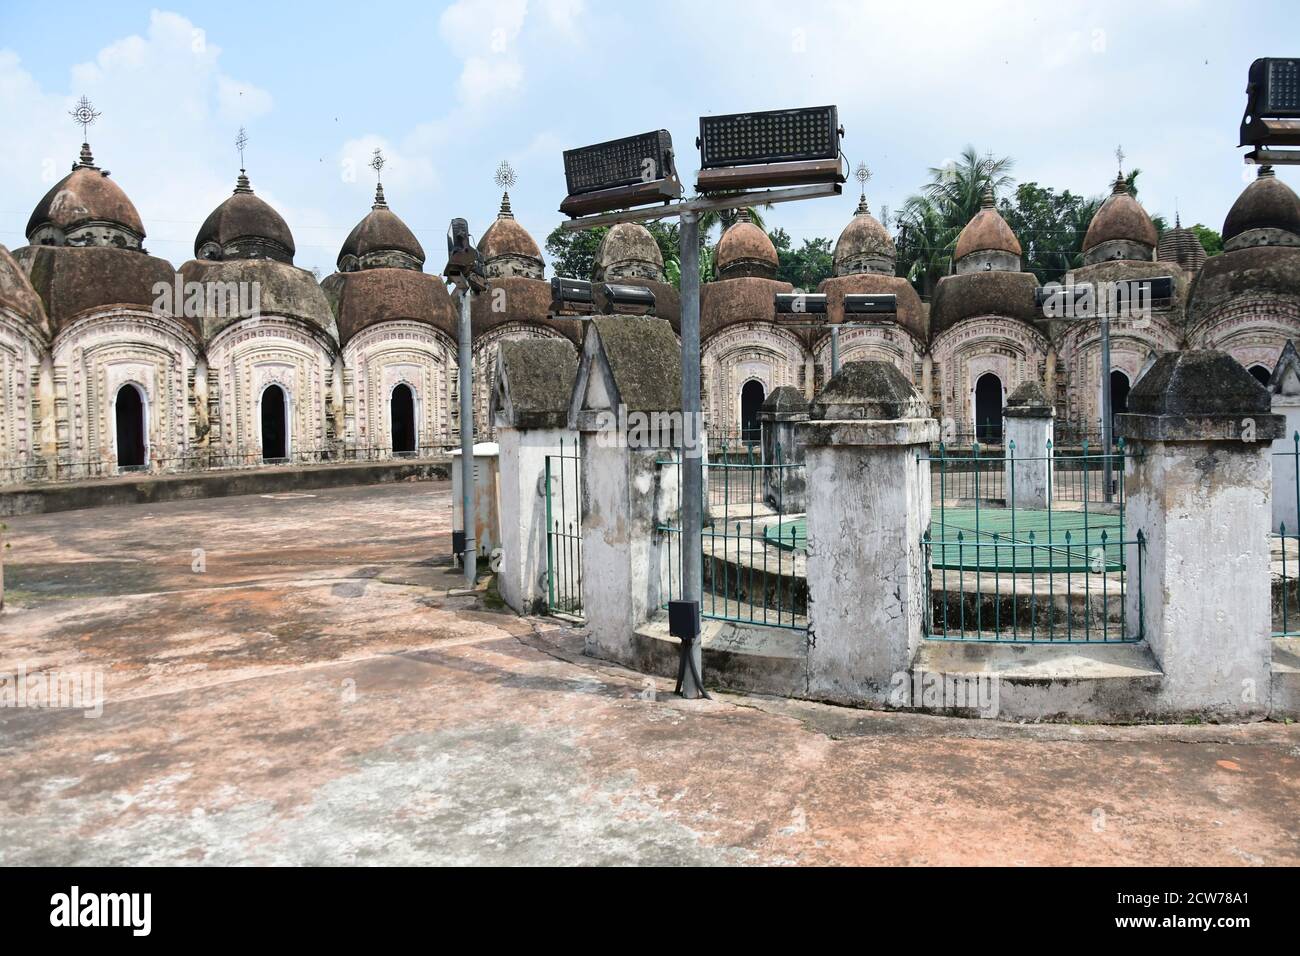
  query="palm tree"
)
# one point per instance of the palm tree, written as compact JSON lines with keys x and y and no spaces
{"x":930,"y":221}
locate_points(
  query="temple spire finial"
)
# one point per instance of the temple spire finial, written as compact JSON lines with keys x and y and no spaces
{"x":988,"y":200}
{"x":505,"y":178}
{"x":862,"y":174}
{"x":84,"y":114}
{"x":377,"y":163}
{"x":241,"y":184}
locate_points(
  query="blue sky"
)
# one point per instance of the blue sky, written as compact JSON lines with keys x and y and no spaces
{"x":451,"y":90}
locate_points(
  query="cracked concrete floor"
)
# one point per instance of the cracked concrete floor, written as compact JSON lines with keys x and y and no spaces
{"x":288,"y":681}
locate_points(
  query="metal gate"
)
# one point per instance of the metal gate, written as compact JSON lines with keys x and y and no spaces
{"x":564,"y":532}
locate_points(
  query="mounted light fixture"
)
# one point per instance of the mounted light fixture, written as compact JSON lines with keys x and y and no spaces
{"x":1272,"y":116}
{"x":633,"y":171}
{"x":870,"y":304}
{"x":463,"y":260}
{"x":770,"y":149}
{"x":622,"y":299}
{"x":800,"y":303}
{"x":571,"y":297}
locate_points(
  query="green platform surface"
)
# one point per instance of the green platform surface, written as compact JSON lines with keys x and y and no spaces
{"x":996,"y":539}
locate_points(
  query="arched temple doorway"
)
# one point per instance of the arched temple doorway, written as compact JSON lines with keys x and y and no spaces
{"x":275,"y":424}
{"x":751,"y":403}
{"x":131,"y":422}
{"x":988,"y":408}
{"x":401,"y":411}
{"x":1119,"y":389}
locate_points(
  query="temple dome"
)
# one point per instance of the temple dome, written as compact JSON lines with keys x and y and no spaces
{"x":85,"y":208}
{"x":381,"y":239}
{"x":629,"y":251}
{"x":987,"y":244}
{"x":507,"y":248}
{"x":18,"y":297}
{"x":745,"y":250}
{"x":1121,"y":229}
{"x":244,"y":227}
{"x":1267,"y":213}
{"x":864,"y":246}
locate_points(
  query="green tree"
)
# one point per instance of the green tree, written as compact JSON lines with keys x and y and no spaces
{"x":931,"y":220}
{"x":572,"y":254}
{"x":805,"y":267}
{"x":1050,"y":227}
{"x":1211,"y":241}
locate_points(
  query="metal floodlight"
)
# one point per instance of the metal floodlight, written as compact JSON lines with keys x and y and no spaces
{"x":871,"y":304}
{"x":1272,"y":116}
{"x":770,"y":149}
{"x":633,"y":171}
{"x":800,"y":303}
{"x":571,"y":297}
{"x":1160,"y":287}
{"x":463,"y":260}
{"x":622,"y":299}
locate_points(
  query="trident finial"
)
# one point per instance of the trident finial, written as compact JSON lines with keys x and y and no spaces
{"x":377,"y":163}
{"x":241,"y":140}
{"x":1119,"y":159}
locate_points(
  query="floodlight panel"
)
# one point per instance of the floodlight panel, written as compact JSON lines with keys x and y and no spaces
{"x":774,"y":136}
{"x":643,"y":158}
{"x":871,"y":303}
{"x":1281,"y":87}
{"x":800,"y":303}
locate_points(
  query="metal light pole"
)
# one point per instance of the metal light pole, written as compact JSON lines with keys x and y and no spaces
{"x":466,"y":374}
{"x":693,"y":427}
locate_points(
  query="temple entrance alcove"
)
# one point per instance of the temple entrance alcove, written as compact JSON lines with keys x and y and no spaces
{"x":402,"y":419}
{"x":131,"y":424}
{"x":751,"y":403}
{"x":275,"y":424}
{"x":988,"y":408}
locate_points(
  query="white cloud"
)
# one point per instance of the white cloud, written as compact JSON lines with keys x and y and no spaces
{"x":169,"y":115}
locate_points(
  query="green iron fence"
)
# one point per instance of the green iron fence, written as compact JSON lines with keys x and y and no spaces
{"x":976,"y":471}
{"x":1054,"y":572}
{"x":1284,"y":541}
{"x":564,"y":532}
{"x":753,"y":561}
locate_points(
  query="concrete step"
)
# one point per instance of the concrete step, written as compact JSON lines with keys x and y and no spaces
{"x":1049,"y":681}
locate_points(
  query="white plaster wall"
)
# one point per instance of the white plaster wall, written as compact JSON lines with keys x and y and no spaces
{"x":1205,"y":510}
{"x":868,"y":508}
{"x":521,"y":578}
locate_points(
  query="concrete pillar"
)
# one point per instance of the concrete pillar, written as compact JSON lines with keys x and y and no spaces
{"x":529,"y":406}
{"x":1199,"y":484}
{"x":781,"y":415}
{"x":1027,"y":433}
{"x":1285,"y":388}
{"x":626,"y":407}
{"x":868,"y":507}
